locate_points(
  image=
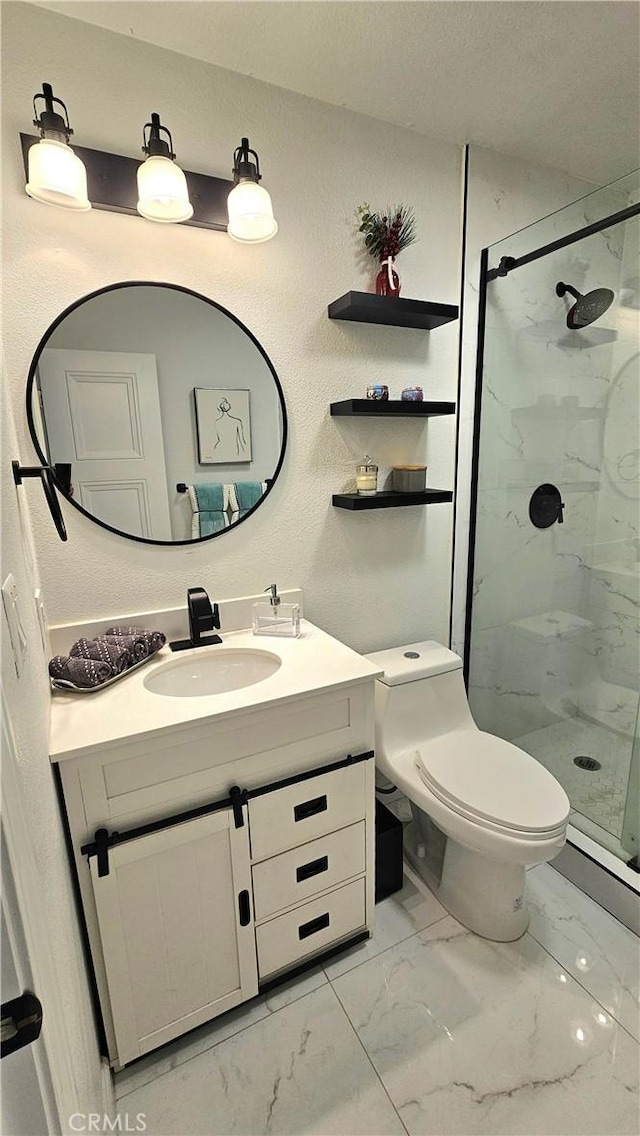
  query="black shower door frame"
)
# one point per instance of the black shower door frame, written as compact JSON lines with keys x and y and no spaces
{"x":487,"y":275}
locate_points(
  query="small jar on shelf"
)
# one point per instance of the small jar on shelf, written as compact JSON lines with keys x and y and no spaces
{"x":367,"y":477}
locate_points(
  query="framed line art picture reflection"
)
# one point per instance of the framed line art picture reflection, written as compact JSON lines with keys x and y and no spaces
{"x":223,"y":425}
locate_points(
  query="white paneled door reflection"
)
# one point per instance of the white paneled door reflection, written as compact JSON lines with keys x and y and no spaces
{"x":102,"y":411}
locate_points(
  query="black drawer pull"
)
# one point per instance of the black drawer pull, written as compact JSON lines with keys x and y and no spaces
{"x":310,"y":808}
{"x":313,"y":925}
{"x":244,"y":908}
{"x":313,"y":868}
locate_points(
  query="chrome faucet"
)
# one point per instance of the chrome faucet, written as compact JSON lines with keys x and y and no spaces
{"x":202,"y":618}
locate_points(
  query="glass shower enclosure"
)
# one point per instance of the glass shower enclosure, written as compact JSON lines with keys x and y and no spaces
{"x":553,"y":637}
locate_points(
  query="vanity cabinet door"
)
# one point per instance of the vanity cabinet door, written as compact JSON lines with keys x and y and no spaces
{"x":177,"y":931}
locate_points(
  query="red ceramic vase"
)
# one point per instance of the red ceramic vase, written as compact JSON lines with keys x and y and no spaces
{"x":388,"y":281}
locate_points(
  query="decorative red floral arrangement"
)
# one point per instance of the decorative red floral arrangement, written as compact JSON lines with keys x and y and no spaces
{"x":386,"y":235}
{"x":389,"y":233}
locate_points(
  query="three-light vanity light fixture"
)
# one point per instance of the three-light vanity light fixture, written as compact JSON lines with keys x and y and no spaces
{"x":79,"y":178}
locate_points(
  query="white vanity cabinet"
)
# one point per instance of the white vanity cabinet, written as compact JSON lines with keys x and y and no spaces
{"x":215,"y":857}
{"x":174,"y":915}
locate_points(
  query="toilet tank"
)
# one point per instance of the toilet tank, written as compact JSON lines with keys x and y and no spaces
{"x":420,"y":696}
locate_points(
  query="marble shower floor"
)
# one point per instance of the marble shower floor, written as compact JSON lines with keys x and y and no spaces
{"x":427,"y":1029}
{"x":600,"y":796}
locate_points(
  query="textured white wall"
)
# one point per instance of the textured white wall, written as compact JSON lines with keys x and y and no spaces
{"x":374,"y":579}
{"x":27,"y":698}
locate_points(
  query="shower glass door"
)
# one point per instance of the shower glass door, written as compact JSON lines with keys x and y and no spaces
{"x":554,"y":633}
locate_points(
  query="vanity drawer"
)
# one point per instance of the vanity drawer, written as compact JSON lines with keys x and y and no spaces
{"x":301,"y":812}
{"x":310,"y":928}
{"x":293,"y":877}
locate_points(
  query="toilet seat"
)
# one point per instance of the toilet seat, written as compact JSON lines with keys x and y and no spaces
{"x":493,"y":784}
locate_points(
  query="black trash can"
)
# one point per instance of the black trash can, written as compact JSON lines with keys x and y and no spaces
{"x":388,"y":852}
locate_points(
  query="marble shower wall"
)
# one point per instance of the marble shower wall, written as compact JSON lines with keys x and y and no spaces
{"x":555,"y":615}
{"x":614,"y":580}
{"x":504,"y":195}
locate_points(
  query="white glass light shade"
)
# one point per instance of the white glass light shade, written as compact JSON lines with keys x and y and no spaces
{"x":57,"y":176}
{"x":162,"y":191}
{"x":250,"y":213}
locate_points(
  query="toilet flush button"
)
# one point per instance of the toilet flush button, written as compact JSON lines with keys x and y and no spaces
{"x":412,"y":655}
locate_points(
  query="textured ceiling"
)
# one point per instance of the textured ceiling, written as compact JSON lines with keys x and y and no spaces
{"x":555,"y":82}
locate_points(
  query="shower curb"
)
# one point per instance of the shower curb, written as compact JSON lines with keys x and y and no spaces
{"x":581,"y":862}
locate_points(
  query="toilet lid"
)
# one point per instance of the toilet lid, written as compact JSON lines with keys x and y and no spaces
{"x":488,"y":779}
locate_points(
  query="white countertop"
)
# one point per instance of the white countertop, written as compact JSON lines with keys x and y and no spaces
{"x":314,"y":663}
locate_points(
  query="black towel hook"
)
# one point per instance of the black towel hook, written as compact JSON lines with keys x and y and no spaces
{"x":45,"y":473}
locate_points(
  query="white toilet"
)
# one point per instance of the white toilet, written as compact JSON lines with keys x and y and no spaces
{"x":482,"y":808}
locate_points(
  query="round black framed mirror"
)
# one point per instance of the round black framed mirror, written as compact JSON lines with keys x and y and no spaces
{"x":159,"y":411}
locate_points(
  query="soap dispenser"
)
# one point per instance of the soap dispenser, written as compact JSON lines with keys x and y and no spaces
{"x":274,"y":617}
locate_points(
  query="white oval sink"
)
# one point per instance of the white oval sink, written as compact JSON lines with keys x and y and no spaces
{"x":228,"y":669}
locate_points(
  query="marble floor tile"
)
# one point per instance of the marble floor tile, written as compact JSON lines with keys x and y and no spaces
{"x":213,"y":1032}
{"x":472,"y":1037}
{"x":301,"y":1070}
{"x":594,"y":947}
{"x":411,"y":909}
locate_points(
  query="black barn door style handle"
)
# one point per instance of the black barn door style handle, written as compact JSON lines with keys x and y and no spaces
{"x":244,"y":908}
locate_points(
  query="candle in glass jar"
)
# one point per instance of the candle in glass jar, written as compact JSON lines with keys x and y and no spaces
{"x":367,"y":477}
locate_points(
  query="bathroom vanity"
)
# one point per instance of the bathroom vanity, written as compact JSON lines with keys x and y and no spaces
{"x":222,"y":840}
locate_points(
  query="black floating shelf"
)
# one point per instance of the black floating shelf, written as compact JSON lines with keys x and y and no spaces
{"x":395,"y":311}
{"x":389,"y":500}
{"x":390,"y":408}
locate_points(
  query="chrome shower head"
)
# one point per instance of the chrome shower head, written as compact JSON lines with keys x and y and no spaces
{"x":588,"y":307}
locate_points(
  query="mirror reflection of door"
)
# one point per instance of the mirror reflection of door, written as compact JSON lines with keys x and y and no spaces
{"x":109,"y":428}
{"x":117,"y":417}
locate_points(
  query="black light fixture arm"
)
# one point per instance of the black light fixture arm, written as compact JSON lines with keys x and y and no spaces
{"x":46,"y":475}
{"x":154,"y":146}
{"x":243,"y":168}
{"x":50,"y":123}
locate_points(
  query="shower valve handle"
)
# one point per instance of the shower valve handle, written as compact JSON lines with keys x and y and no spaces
{"x":546,"y":506}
